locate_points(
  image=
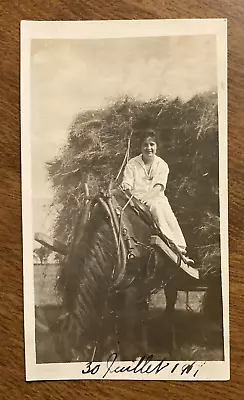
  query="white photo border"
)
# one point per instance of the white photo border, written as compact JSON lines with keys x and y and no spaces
{"x":209,"y":370}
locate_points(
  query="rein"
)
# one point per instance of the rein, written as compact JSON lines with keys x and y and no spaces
{"x":120,"y":244}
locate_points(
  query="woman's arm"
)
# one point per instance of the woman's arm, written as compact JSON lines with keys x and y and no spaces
{"x":159,"y":180}
{"x":128,"y":178}
{"x":162,"y":173}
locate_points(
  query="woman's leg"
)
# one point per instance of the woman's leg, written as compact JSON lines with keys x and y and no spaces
{"x":167,"y":222}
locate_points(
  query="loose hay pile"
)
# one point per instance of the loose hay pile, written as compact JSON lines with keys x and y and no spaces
{"x":188,"y":134}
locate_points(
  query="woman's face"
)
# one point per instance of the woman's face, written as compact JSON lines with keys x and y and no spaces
{"x":148,"y":148}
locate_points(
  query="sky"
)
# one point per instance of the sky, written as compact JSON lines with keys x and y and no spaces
{"x":69,"y":76}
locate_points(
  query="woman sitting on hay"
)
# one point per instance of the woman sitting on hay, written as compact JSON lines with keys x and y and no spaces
{"x":145,"y":176}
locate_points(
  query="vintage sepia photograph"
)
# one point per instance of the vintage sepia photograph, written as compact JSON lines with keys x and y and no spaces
{"x":124,"y":177}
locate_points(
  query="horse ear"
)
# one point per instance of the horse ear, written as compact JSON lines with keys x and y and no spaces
{"x":87,"y":193}
{"x":110,"y":186}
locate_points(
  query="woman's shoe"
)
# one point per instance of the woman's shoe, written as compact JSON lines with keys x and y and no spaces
{"x":187,"y":260}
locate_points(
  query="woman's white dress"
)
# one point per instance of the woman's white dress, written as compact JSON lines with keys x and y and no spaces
{"x":141,"y":182}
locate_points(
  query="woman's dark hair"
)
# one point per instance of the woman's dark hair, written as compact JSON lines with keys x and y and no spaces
{"x":149,"y":133}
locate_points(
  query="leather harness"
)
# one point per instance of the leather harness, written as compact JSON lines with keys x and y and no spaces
{"x":127,"y":247}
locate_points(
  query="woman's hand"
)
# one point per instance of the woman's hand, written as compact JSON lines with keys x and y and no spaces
{"x":154,"y":192}
{"x":125,"y":186}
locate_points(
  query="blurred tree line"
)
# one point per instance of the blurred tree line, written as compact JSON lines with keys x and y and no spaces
{"x":41,"y":255}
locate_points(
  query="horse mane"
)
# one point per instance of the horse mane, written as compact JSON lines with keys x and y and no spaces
{"x":85,"y":279}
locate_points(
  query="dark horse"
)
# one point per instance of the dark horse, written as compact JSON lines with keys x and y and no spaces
{"x":107,"y":280}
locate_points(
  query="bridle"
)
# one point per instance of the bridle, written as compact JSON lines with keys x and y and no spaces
{"x":127,"y":247}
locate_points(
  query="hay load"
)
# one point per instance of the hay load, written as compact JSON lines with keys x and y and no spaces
{"x":188,"y":135}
